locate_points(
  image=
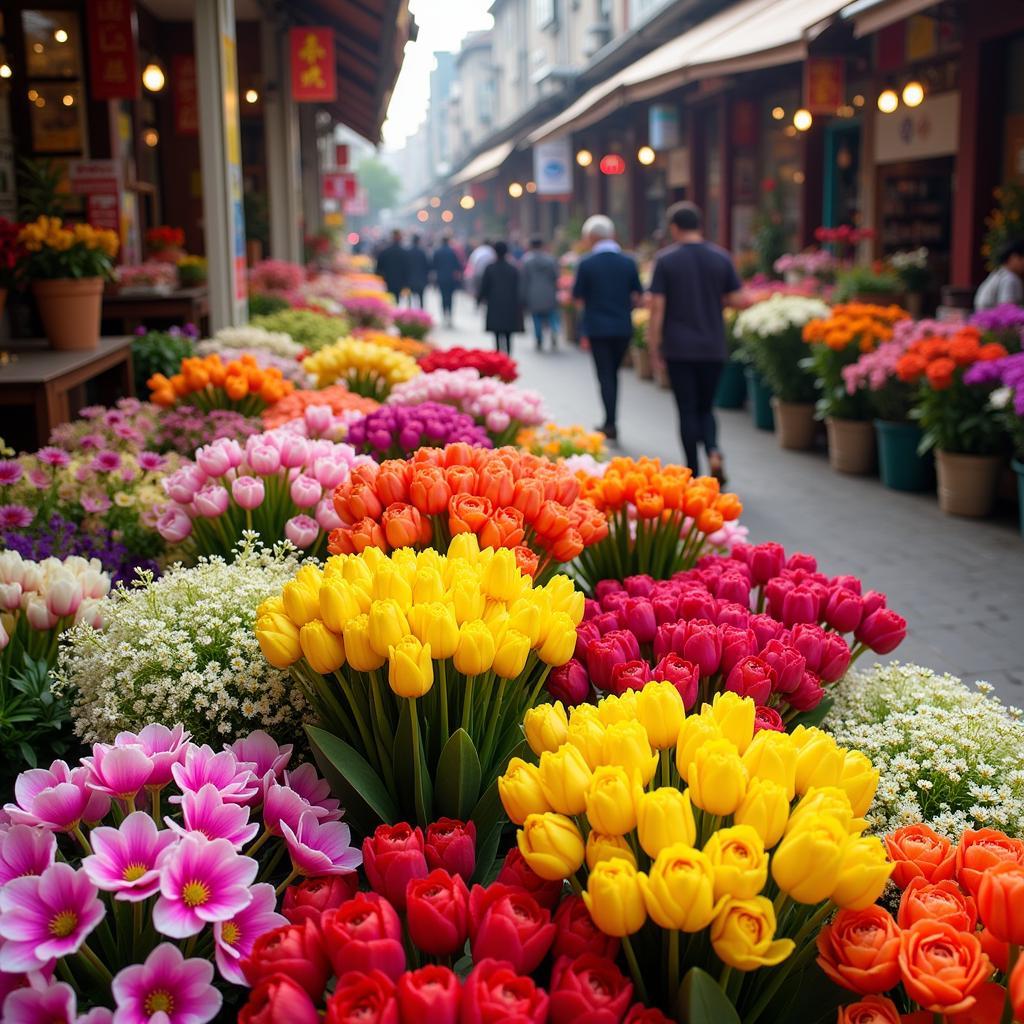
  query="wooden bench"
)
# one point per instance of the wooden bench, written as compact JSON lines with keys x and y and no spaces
{"x":186,"y":305}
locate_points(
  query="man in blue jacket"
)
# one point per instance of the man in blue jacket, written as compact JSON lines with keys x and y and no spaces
{"x":607,"y":287}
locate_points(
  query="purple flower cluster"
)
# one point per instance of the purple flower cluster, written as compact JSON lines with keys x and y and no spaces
{"x":185,"y":331}
{"x":1007,"y":372}
{"x":368,"y":312}
{"x":1004,"y":319}
{"x":395,"y":431}
{"x":183,"y":428}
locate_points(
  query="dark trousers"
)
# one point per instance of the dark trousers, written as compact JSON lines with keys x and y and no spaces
{"x":693,"y":385}
{"x":447,"y":291}
{"x":608,"y":354}
{"x":503,"y":342}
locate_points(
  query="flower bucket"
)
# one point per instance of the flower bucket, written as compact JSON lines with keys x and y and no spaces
{"x":1018,"y":468}
{"x":642,"y":362}
{"x":732,"y":387}
{"x":851,"y":445}
{"x":70,"y":311}
{"x":760,"y":400}
{"x":795,"y":425}
{"x":899,"y":465}
{"x":967,"y":483}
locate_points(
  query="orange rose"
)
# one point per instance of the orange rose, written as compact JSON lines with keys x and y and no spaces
{"x":990,"y":1000}
{"x":429,"y":491}
{"x":919,"y":852}
{"x":403,"y":526}
{"x":467,"y":513}
{"x":871,"y":1010}
{"x":941,"y":967}
{"x":937,"y":901}
{"x":979,"y":850}
{"x":1001,"y":901}
{"x":859,"y":950}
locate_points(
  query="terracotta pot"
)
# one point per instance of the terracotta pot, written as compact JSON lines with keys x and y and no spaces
{"x":794,"y":424}
{"x":70,"y":311}
{"x":642,"y":362}
{"x":967,"y":483}
{"x":851,"y":445}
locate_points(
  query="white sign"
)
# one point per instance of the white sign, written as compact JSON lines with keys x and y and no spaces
{"x":678,"y":174}
{"x":663,"y":126}
{"x":916,"y":133}
{"x":552,"y":167}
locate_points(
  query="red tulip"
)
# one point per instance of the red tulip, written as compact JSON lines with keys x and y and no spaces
{"x":588,"y":988}
{"x":576,"y":933}
{"x":431,"y":994}
{"x":295,"y":950}
{"x":515,"y":873}
{"x":363,"y":998}
{"x":364,"y":934}
{"x":308,"y":899}
{"x":682,"y":674}
{"x":494,"y":994}
{"x":509,"y":924}
{"x":451,"y":844}
{"x":279,"y":1000}
{"x":752,"y":677}
{"x":883,"y":631}
{"x":392,"y":856}
{"x":437,"y":913}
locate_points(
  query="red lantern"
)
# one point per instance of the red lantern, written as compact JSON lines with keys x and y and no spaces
{"x":613,"y":164}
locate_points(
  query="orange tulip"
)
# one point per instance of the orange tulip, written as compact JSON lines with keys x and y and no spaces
{"x":860,"y":949}
{"x":403,"y":525}
{"x":650,"y":502}
{"x":870,"y":1010}
{"x":568,"y":546}
{"x":363,"y":502}
{"x":526,"y":560}
{"x":429,"y":490}
{"x":392,"y":481}
{"x":504,"y":529}
{"x":920,"y":852}
{"x":458,"y":453}
{"x":989,"y":1001}
{"x":730,"y":506}
{"x":710,"y":521}
{"x":461,"y":479}
{"x":467,"y":513}
{"x":528,"y":496}
{"x":496,"y":483}
{"x":552,"y":520}
{"x":339,"y":541}
{"x":982,"y":849}
{"x":995,"y":949}
{"x":236,"y":387}
{"x":367,"y":534}
{"x":1016,"y":989}
{"x":937,"y":901}
{"x":942,"y":968}
{"x":1001,"y":901}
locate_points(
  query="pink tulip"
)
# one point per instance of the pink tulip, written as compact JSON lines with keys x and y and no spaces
{"x":38,"y":614}
{"x":305,"y":491}
{"x":294,"y":451}
{"x":214,"y":459}
{"x":327,"y":516}
{"x":302,"y":531}
{"x":319,"y":419}
{"x":10,"y":596}
{"x":248,"y":492}
{"x":181,"y":485}
{"x":174,"y":525}
{"x":330,"y":472}
{"x":264,"y":459}
{"x":64,"y":596}
{"x":92,"y":611}
{"x":211,"y":501}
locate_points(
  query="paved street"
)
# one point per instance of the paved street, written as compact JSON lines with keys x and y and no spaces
{"x":960,"y":583}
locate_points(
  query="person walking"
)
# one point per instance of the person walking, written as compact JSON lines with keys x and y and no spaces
{"x":606,"y":288}
{"x":1004,"y":284}
{"x":538,"y":274}
{"x":447,"y":270}
{"x":692,"y":281}
{"x":499,"y":291}
{"x":393,"y":266}
{"x":479,"y":257}
{"x":419,"y":271}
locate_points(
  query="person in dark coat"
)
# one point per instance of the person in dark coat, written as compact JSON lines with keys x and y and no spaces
{"x":499,"y":291}
{"x":419,"y":270}
{"x":447,"y":269}
{"x":539,"y":278}
{"x":393,"y":266}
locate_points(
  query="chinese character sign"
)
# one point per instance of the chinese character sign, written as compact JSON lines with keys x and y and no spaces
{"x":824,"y":84}
{"x":313,"y":67}
{"x":184,"y":94}
{"x":113,"y":66}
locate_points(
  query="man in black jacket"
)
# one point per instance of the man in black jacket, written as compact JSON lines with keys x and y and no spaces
{"x":393,"y":266}
{"x":419,"y":268}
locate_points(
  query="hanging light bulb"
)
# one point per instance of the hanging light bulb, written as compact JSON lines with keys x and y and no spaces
{"x":802,"y":120}
{"x":913,"y":94}
{"x":888,"y":101}
{"x":584,"y":158}
{"x":153,"y":77}
{"x":467,"y":202}
{"x":515,"y":190}
{"x":646,"y":155}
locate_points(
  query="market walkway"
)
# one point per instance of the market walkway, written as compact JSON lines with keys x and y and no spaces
{"x":959,"y":583}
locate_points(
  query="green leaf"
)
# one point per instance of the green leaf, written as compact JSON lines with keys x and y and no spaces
{"x":813,"y":717}
{"x":701,"y":1001}
{"x":458,"y":777}
{"x":405,"y":776}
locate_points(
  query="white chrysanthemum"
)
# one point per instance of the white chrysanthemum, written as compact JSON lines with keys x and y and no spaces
{"x":948,"y":755}
{"x":778,"y":314}
{"x":248,"y":337}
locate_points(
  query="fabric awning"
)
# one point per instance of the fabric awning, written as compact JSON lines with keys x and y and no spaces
{"x":878,"y":14}
{"x":485,"y":165}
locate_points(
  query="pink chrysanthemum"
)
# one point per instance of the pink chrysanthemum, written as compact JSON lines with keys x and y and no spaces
{"x":56,"y":457}
{"x":10,"y":472}
{"x":124,"y":859}
{"x":167,"y":989}
{"x":106,"y":461}
{"x":15,"y":517}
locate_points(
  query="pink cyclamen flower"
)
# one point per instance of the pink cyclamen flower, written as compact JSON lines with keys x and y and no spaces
{"x":263,"y":752}
{"x":302,"y":531}
{"x":233,"y":940}
{"x":25,"y":851}
{"x":15,"y":517}
{"x":118,"y":771}
{"x":248,"y":491}
{"x":56,"y":798}
{"x":41,"y":1002}
{"x":165,"y":748}
{"x":55,"y":457}
{"x":46,"y":916}
{"x":124,"y":859}
{"x":305,"y":781}
{"x":232,"y":777}
{"x":321,"y":847}
{"x":211,"y":501}
{"x":201,"y":881}
{"x":174,"y":526}
{"x":166,"y":989}
{"x":106,"y":461}
{"x":207,"y":813}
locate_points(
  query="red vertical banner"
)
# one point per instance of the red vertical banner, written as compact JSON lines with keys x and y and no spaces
{"x":113,"y":62}
{"x":314,"y":74}
{"x":744,"y":124}
{"x":185,"y":94}
{"x":824,"y":84}
{"x":341,"y":156}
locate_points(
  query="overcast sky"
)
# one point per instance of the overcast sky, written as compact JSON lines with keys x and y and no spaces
{"x":442,"y":26}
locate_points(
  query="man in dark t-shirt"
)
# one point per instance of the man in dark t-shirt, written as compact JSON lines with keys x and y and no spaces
{"x":692,"y":281}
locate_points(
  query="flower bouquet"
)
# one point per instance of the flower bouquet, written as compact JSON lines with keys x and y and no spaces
{"x":156,"y":276}
{"x":133,"y":873}
{"x":274,"y":486}
{"x":366,"y":369}
{"x":713,"y":852}
{"x":557,"y":442}
{"x":337,"y":398}
{"x":210,"y":383}
{"x":505,"y":498}
{"x":369,"y":311}
{"x":487,"y":364}
{"x":658,"y":519}
{"x":419,"y":667}
{"x":412,"y":323}
{"x":395,"y":431}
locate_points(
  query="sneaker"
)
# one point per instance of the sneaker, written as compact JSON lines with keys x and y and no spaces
{"x":610,"y":433}
{"x":716,"y":468}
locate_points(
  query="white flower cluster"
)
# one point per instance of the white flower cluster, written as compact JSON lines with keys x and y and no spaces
{"x":948,"y":756}
{"x":916,"y":259}
{"x":182,"y":648}
{"x":777,"y":314}
{"x":276,"y":342}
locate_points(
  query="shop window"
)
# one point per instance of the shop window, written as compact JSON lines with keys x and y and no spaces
{"x":53,"y":68}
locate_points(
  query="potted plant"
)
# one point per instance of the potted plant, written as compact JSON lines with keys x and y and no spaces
{"x":165,"y":244}
{"x":1003,"y":323}
{"x":836,"y":342}
{"x":956,"y":417}
{"x":731,"y":392}
{"x":911,"y":267}
{"x":815,"y":264}
{"x":642,"y":360}
{"x":870,"y":285}
{"x":10,"y":255}
{"x":772,"y":334}
{"x":152,"y":277}
{"x":67,"y":267}
{"x":191,"y":271}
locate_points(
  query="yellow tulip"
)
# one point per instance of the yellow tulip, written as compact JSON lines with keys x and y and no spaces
{"x":772,"y":756}
{"x":361,"y":654}
{"x":664,"y":817}
{"x":435,"y":624}
{"x":524,"y":615}
{"x":614,"y":898}
{"x":559,"y":641}
{"x":464,"y":547}
{"x":806,"y":863}
{"x":338,"y":603}
{"x":610,"y":807}
{"x":740,"y":862}
{"x":717,"y":778}
{"x":427,"y":586}
{"x":429,"y":560}
{"x":660,"y":710}
{"x":551,"y":845}
{"x":546,"y":727}
{"x":410,"y":669}
{"x":679,"y":890}
{"x":467,"y":599}
{"x":621,"y":708}
{"x":511,"y":654}
{"x":765,"y":808}
{"x":387,"y":625}
{"x":859,"y":781}
{"x":734,"y":715}
{"x":390,"y":585}
{"x":502,"y":576}
{"x":864,"y":870}
{"x":601,"y":847}
{"x":475,"y":652}
{"x":564,"y":777}
{"x":693,"y":734}
{"x":495,"y":618}
{"x":829,"y":800}
{"x":322,"y":648}
{"x":301,"y":596}
{"x":743,"y":935}
{"x":819,"y":760}
{"x":521,"y":792}
{"x":357,"y":571}
{"x":278,"y":638}
{"x":586,"y":731}
{"x":626,"y":744}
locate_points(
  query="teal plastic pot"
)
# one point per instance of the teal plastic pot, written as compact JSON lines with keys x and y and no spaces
{"x":760,"y":400}
{"x":1018,"y":468}
{"x":899,"y":465}
{"x":732,"y":387}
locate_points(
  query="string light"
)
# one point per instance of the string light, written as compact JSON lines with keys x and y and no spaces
{"x":251,"y":95}
{"x":584,"y":158}
{"x":802,"y":120}
{"x":888,"y":101}
{"x":153,"y":77}
{"x":447,"y":216}
{"x":467,"y":202}
{"x":60,"y":36}
{"x":515,"y":190}
{"x":5,"y":71}
{"x":646,"y":155}
{"x":778,"y":113}
{"x":423,"y":216}
{"x":435,"y":201}
{"x":151,"y":137}
{"x":913,"y":94}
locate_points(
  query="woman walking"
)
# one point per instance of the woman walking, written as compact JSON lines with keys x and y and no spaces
{"x":499,"y":292}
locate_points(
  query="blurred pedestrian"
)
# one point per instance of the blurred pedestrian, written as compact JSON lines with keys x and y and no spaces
{"x":1004,"y":283}
{"x":692,"y":281}
{"x":539,"y":279}
{"x":393,"y":266}
{"x":607,"y":287}
{"x":499,"y":290}
{"x":419,"y":270}
{"x":447,"y":269}
{"x":479,"y":257}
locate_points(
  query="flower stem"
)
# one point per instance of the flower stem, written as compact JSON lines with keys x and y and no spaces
{"x":94,"y":961}
{"x":634,"y":968}
{"x":292,"y":875}
{"x":673,"y":966}
{"x":1007,"y":1016}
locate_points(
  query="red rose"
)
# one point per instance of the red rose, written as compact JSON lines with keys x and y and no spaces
{"x":364,"y":934}
{"x":517,"y":874}
{"x":576,"y":933}
{"x":295,"y":950}
{"x":509,"y":924}
{"x":437,"y":913}
{"x":363,"y":999}
{"x":451,"y":844}
{"x":392,"y":856}
{"x":640,"y":1014}
{"x":494,"y":994}
{"x":279,"y":1000}
{"x":588,"y":988}
{"x":308,"y":899}
{"x":429,"y":994}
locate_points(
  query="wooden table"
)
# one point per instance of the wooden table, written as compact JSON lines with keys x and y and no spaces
{"x":186,"y":305}
{"x":35,"y":376}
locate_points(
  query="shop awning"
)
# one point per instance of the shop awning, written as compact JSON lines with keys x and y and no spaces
{"x":485,"y":165}
{"x":872,"y":15}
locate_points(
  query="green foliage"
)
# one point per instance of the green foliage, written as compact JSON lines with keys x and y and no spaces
{"x":306,"y":328}
{"x":261,"y":305}
{"x":38,"y":189}
{"x":958,"y":419}
{"x":826,"y":366}
{"x":867,"y":281}
{"x":769,"y":240}
{"x":381,"y":183}
{"x":158,"y":352}
{"x":1005,"y":223}
{"x":780,"y":360}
